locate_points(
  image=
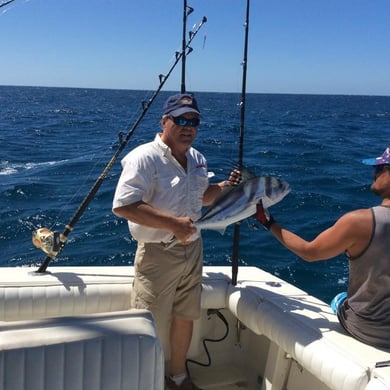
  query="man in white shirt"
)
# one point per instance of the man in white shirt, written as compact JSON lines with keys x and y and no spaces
{"x":161,"y":191}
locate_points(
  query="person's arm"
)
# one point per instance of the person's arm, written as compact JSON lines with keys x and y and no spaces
{"x":350,"y":233}
{"x":144,"y":214}
{"x":215,"y":189}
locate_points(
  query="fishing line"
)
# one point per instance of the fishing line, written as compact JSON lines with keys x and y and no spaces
{"x":96,"y":157}
{"x":236,"y":239}
{"x":80,"y":187}
{"x":187,"y":10}
{"x":52,"y":243}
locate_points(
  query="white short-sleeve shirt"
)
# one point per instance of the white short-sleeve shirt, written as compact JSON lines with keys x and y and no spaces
{"x":151,"y":174}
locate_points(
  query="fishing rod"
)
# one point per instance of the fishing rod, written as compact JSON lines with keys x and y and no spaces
{"x":52,"y":243}
{"x":187,"y":10}
{"x":236,"y":237}
{"x":5,"y":3}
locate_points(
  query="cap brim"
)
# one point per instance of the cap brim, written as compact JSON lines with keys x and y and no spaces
{"x":372,"y":161}
{"x":183,"y":110}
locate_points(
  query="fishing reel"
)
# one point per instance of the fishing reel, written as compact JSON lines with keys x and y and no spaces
{"x":48,"y":241}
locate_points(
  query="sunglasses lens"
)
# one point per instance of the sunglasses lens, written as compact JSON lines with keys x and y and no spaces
{"x":182,"y":121}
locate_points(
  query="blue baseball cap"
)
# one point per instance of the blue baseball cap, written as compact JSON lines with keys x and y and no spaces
{"x":180,"y":104}
{"x":381,"y":160}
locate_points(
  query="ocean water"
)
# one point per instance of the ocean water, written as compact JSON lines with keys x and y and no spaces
{"x":55,"y":143}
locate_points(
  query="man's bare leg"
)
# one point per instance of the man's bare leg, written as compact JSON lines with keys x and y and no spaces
{"x":181,"y":334}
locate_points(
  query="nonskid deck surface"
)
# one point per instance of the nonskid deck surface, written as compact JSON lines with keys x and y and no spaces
{"x":226,"y":377}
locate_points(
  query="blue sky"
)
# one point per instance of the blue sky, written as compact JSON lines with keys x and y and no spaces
{"x":295,"y":46}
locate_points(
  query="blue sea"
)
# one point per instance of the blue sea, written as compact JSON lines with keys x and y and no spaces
{"x":55,"y":143}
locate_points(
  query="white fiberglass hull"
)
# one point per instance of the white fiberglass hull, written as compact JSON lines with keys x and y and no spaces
{"x":279,"y":337}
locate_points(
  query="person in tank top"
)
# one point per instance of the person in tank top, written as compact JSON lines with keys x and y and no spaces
{"x":364,"y":236}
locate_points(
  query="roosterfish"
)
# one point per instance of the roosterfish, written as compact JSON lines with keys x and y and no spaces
{"x":238,"y":202}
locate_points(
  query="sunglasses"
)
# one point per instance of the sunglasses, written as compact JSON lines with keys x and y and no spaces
{"x":182,"y":121}
{"x":381,"y":168}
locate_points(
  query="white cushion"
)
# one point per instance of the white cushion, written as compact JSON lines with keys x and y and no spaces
{"x":68,"y":291}
{"x":111,"y":351}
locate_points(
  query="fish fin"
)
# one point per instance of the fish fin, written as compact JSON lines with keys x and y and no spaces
{"x":246,"y":174}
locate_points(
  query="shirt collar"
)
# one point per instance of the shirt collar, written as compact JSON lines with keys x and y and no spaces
{"x":166,"y":150}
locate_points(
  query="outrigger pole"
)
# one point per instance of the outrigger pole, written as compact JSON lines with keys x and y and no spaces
{"x":236,"y":239}
{"x":57,"y":240}
{"x":187,"y":10}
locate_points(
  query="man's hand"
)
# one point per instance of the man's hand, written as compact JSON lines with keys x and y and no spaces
{"x":233,"y":180}
{"x":263,"y":216}
{"x":184,"y":229}
{"x":235,"y":177}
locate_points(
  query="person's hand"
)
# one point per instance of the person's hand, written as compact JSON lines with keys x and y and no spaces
{"x":235,"y":177}
{"x":184,"y":229}
{"x":264,"y":216}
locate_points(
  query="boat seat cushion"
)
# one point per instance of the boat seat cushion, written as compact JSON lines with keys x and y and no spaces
{"x":68,"y":291}
{"x":305,"y":328}
{"x":111,"y":351}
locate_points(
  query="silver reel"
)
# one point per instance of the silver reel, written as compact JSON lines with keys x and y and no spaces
{"x":48,"y":241}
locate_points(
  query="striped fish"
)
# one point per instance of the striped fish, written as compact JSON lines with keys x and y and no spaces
{"x":239,"y":202}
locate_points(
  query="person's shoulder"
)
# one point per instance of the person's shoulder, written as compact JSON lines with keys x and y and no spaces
{"x":358,"y":215}
{"x":140,"y":154}
{"x":196,"y":153}
{"x":359,"y":212}
{"x":142,"y":148}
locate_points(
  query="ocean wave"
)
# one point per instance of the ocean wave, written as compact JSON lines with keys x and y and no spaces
{"x":9,"y":168}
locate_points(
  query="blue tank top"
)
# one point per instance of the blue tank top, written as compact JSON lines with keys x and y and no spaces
{"x":365,"y":314}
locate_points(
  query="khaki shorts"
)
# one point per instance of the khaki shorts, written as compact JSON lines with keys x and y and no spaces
{"x":168,"y":282}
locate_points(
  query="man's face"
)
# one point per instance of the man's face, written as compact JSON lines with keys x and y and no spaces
{"x":177,"y":132}
{"x":381,"y":184}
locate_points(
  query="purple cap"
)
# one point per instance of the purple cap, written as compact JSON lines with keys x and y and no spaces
{"x":180,"y":104}
{"x":381,"y":160}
